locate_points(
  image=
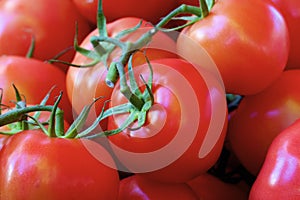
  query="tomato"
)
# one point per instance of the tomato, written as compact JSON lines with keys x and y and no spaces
{"x":279,"y":177}
{"x":247,"y":57}
{"x":209,"y":187}
{"x":35,"y":166}
{"x":138,"y":188}
{"x":260,"y":118}
{"x":173,"y":144}
{"x":290,"y":9}
{"x":84,"y":84}
{"x":53,"y":31}
{"x":34,"y":79}
{"x":150,"y":11}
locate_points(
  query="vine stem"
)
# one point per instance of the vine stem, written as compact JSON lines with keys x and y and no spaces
{"x":194,"y":10}
{"x":15,"y":115}
{"x":125,"y":90}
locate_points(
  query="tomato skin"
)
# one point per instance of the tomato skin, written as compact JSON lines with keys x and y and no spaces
{"x":209,"y":187}
{"x":36,"y":166}
{"x":188,"y":2}
{"x":34,"y":79}
{"x":261,"y":117}
{"x":279,"y":177}
{"x":290,"y":10}
{"x":20,"y":21}
{"x":242,"y":51}
{"x":163,"y":127}
{"x":115,"y":9}
{"x":136,"y":187}
{"x":3,"y":140}
{"x":89,"y":83}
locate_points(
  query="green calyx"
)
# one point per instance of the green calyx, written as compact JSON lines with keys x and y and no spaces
{"x":139,"y":103}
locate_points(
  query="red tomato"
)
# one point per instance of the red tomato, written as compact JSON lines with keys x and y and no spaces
{"x":150,"y":11}
{"x":50,"y":22}
{"x":35,"y":166}
{"x":138,"y":188}
{"x":279,"y":177}
{"x":34,"y":79}
{"x":261,"y":117}
{"x":173,"y":144}
{"x":209,"y":187}
{"x":290,"y":9}
{"x":245,"y":49}
{"x":84,"y":84}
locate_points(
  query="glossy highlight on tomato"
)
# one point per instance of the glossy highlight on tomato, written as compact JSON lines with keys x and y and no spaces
{"x":260,"y":118}
{"x":290,"y":10}
{"x":36,"y":166}
{"x":247,"y":57}
{"x":51,"y":23}
{"x":279,"y":177}
{"x":170,"y":141}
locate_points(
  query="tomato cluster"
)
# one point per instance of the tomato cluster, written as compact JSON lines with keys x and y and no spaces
{"x":174,"y":99}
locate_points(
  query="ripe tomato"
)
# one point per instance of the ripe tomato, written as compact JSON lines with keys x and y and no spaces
{"x":290,"y":9}
{"x":53,"y":31}
{"x":260,"y":118}
{"x":34,"y":79}
{"x":279,"y":177}
{"x":84,"y":84}
{"x":173,"y":144}
{"x":35,"y":166}
{"x":150,"y":11}
{"x":247,"y":57}
{"x":138,"y":188}
{"x":209,"y":187}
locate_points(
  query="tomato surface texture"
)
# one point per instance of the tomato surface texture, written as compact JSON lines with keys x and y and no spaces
{"x":36,"y":166}
{"x":168,"y":146}
{"x":243,"y":38}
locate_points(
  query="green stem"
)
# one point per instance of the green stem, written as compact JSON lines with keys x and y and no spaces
{"x":210,"y":4}
{"x":96,"y":42}
{"x":129,"y":120}
{"x":125,"y":90}
{"x":19,"y":105}
{"x":101,"y":20}
{"x":180,"y":10}
{"x":59,"y":123}
{"x":16,"y":115}
{"x":52,"y":121}
{"x":204,"y":8}
{"x":100,"y":50}
{"x":30,"y":51}
{"x":112,"y":75}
